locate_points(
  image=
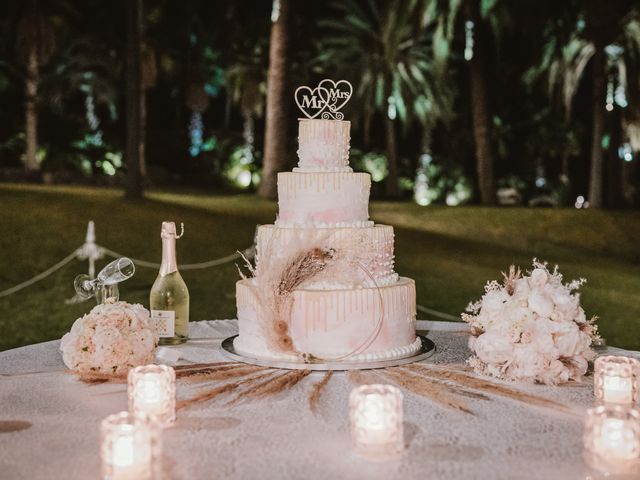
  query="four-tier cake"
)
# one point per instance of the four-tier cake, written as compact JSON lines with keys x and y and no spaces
{"x":323,"y":285}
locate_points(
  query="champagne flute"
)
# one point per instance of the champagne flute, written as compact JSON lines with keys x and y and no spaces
{"x":115,"y":272}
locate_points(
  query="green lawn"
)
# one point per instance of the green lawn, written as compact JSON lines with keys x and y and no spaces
{"x":451,"y":252}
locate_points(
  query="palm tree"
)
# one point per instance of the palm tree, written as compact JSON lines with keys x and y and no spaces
{"x":276,"y":128}
{"x":483,"y":20}
{"x":246,"y":83}
{"x":36,"y":40}
{"x":386,"y":47}
{"x":479,"y":107}
{"x":83,"y":66}
{"x":134,"y":99}
{"x":603,"y":38}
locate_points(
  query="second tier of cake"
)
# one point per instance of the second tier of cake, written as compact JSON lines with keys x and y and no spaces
{"x":331,"y":199}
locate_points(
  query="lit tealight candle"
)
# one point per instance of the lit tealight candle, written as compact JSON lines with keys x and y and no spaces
{"x":376,"y":421}
{"x":129,"y":444}
{"x":616,"y":380}
{"x":612,"y":440}
{"x":152,"y":391}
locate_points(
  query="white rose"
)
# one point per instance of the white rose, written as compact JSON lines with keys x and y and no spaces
{"x":494,"y":347}
{"x":516,"y":316}
{"x":558,"y":293}
{"x":493,"y":301}
{"x":539,"y":278}
{"x":543,"y":343}
{"x":568,"y":340}
{"x":577,"y":367}
{"x":527,"y":362}
{"x":522,"y":289}
{"x":554,"y":373}
{"x":540,"y":303}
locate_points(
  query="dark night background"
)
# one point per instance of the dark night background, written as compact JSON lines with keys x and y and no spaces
{"x":209,"y":56}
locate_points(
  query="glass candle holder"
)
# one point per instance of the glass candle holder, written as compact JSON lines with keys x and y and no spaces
{"x":152,"y":391}
{"x":376,"y":421}
{"x":130,"y":447}
{"x":616,"y":380}
{"x":612,"y":440}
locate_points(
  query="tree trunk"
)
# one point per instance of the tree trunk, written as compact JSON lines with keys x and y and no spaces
{"x":481,"y":122}
{"x":275,"y":143}
{"x":31,"y":114}
{"x":142,"y":141}
{"x":133,"y":72}
{"x":598,"y":102}
{"x":392,"y":189}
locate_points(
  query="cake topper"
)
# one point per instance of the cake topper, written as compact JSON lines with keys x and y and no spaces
{"x":325,"y":100}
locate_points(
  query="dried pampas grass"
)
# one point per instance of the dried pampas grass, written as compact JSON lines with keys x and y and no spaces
{"x":223,"y":373}
{"x":274,"y":385}
{"x":303,"y":267}
{"x":215,"y":392}
{"x":470,"y":381}
{"x":361,"y":377}
{"x":99,"y":378}
{"x":317,"y":389}
{"x":438,"y":392}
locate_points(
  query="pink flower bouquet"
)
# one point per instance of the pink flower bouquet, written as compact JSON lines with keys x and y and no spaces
{"x":531,"y":328}
{"x":109,"y":340}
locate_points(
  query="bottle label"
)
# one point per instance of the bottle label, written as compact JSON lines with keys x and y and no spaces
{"x":165,"y":321}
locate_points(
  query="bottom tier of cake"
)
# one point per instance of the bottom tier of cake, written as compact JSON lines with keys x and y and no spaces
{"x":363,"y":324}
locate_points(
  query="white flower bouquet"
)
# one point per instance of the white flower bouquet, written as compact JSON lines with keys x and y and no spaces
{"x":531,"y":328}
{"x":110,"y":339}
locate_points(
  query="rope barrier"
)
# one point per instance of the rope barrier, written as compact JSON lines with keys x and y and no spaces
{"x":186,"y":266}
{"x":40,"y":276}
{"x":74,"y":255}
{"x":91,"y":251}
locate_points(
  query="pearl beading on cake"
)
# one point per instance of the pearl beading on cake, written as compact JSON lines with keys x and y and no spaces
{"x":320,"y":225}
{"x":323,"y":145}
{"x":391,"y":354}
{"x":372,"y":247}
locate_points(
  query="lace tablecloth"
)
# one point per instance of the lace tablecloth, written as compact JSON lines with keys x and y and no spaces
{"x":455,"y":427}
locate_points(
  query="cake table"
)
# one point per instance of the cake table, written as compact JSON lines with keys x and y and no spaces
{"x":49,"y":424}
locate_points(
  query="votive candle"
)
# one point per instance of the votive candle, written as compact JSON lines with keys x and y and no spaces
{"x":612,"y":440}
{"x":129,"y":444}
{"x":616,"y":380}
{"x":376,"y":421}
{"x":152,"y":391}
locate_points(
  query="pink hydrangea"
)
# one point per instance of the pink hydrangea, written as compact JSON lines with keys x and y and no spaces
{"x":110,"y":339}
{"x":531,"y":328}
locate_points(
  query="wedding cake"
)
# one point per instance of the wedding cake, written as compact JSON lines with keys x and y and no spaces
{"x":323,"y":285}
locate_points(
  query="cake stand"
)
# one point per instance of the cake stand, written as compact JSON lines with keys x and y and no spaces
{"x":427,"y":349}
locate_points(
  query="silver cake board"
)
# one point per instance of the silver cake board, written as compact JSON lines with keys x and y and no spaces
{"x":427,"y":349}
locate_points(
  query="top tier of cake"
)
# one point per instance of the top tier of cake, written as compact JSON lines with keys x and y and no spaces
{"x":323,"y":146}
{"x":323,"y":191}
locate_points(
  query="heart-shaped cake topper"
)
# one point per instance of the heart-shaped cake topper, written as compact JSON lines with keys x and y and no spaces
{"x":339,"y":94}
{"x":326,"y":99}
{"x":310,"y":101}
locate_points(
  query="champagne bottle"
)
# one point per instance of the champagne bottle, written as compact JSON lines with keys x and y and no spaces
{"x":169,"y":298}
